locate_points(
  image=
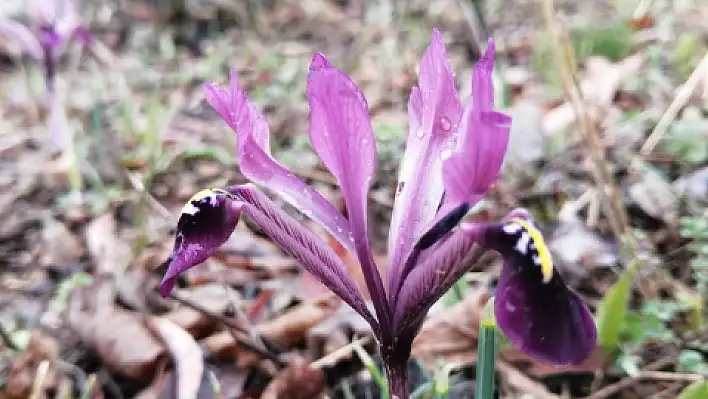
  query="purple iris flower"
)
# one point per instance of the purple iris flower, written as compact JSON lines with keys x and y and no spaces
{"x":55,"y":24}
{"x":453,"y":155}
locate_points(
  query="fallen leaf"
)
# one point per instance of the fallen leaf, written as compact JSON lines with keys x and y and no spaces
{"x":42,"y":346}
{"x":185,"y":353}
{"x":119,"y":337}
{"x":60,"y":247}
{"x":297,"y":381}
{"x":110,"y":253}
{"x":451,"y":335}
{"x":294,"y":325}
{"x":578,"y":249}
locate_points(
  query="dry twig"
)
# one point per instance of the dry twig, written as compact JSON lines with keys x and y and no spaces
{"x":606,"y":187}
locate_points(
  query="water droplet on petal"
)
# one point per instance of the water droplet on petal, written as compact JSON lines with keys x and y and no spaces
{"x":445,"y":124}
{"x":420,"y":133}
{"x":446,"y":154}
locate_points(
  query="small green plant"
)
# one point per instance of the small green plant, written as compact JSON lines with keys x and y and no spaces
{"x":686,"y":139}
{"x":695,"y":228}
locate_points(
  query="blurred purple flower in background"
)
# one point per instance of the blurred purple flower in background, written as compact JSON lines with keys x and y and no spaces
{"x":54,"y":24}
{"x":453,"y":155}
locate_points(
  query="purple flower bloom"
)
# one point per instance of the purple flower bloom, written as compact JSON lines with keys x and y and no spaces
{"x":55,"y":24}
{"x":453,"y":155}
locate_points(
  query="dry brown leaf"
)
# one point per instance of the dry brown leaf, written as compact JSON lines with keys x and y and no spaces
{"x":119,"y":337}
{"x":41,"y":347}
{"x":297,"y":381}
{"x":211,"y":297}
{"x":451,"y":335}
{"x":111,"y":254}
{"x":185,"y":353}
{"x":293,"y":325}
{"x":60,"y":247}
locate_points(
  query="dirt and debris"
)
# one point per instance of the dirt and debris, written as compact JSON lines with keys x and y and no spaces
{"x":87,"y":224}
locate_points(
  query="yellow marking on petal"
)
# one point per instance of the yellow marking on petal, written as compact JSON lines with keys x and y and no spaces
{"x":189,"y":207}
{"x":544,"y":255}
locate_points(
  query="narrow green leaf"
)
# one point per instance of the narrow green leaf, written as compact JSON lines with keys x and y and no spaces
{"x":376,"y":374}
{"x":486,"y":353}
{"x":612,"y":310}
{"x":697,"y":390}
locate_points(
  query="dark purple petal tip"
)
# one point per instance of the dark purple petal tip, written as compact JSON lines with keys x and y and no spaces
{"x":206,"y":222}
{"x":534,"y":308}
{"x":546,"y":321}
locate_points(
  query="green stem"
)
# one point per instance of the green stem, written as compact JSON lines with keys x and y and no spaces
{"x":486,"y":353}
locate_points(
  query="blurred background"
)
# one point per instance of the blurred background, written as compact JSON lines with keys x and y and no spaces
{"x":103,"y":141}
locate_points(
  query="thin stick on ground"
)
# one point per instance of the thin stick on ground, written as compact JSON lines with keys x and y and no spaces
{"x":237,"y":330}
{"x":345,"y":351}
{"x":679,"y":101}
{"x":607,"y":188}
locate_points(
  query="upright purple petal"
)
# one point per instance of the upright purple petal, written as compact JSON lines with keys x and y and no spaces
{"x":484,"y":135}
{"x":434,"y":111}
{"x":210,"y":217}
{"x":341,"y":134}
{"x":257,"y":164}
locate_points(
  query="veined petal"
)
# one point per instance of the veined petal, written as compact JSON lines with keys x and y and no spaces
{"x":533,"y":306}
{"x":447,"y":261}
{"x":257,"y":164}
{"x":211,"y":216}
{"x":434,"y":111}
{"x":341,"y":134}
{"x":484,"y":136}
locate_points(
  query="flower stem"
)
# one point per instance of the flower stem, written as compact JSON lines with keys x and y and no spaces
{"x":486,"y":353}
{"x":397,"y":375}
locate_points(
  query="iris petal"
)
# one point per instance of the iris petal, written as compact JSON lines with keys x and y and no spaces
{"x":434,"y":112}
{"x":210,"y":217}
{"x":342,"y":136}
{"x":484,"y":136}
{"x":546,"y":321}
{"x":205,"y":224}
{"x":539,"y":314}
{"x":257,"y":164}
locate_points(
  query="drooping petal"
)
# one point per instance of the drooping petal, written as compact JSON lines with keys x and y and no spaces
{"x":546,"y":321}
{"x":434,"y":111}
{"x":206,"y":222}
{"x":211,"y":216}
{"x":342,"y":136}
{"x":539,"y":314}
{"x":484,"y":136}
{"x":257,"y":164}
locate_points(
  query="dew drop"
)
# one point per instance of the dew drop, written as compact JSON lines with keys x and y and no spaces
{"x":420,"y":133}
{"x":339,"y":230}
{"x":446,"y":154}
{"x":445,"y":124}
